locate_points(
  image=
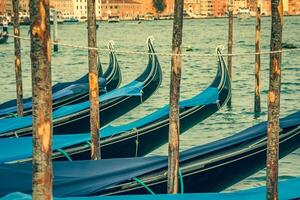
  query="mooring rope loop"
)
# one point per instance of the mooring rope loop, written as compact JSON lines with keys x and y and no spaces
{"x":65,"y":154}
{"x":135,"y":130}
{"x":195,"y":55}
{"x":139,"y":181}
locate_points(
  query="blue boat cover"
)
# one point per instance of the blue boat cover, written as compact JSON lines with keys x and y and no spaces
{"x":83,"y":178}
{"x":69,"y":90}
{"x":132,"y":89}
{"x":22,"y":147}
{"x":288,"y":189}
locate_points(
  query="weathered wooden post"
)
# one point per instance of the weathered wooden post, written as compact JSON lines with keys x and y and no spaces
{"x":257,"y":108}
{"x":18,"y":69}
{"x":274,"y":100}
{"x":230,"y":32}
{"x":93,"y":82}
{"x":174,"y":127}
{"x":42,"y":99}
{"x":55,"y":32}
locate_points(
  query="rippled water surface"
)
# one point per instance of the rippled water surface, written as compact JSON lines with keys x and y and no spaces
{"x":202,"y":36}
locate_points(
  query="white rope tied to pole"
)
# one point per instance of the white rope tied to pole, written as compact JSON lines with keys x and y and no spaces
{"x":195,"y":55}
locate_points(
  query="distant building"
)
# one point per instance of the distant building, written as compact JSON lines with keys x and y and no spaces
{"x":193,"y":6}
{"x":64,"y":6}
{"x":148,"y":7}
{"x":2,"y":7}
{"x":200,"y":7}
{"x":294,"y":7}
{"x":237,"y":4}
{"x":219,"y":8}
{"x":265,"y":7}
{"x":251,"y":4}
{"x":80,"y":9}
{"x":59,"y":5}
{"x":286,"y":6}
{"x":207,"y":7}
{"x":130,"y":9}
{"x":125,"y":9}
{"x":24,"y":6}
{"x":169,"y":7}
{"x":8,"y":7}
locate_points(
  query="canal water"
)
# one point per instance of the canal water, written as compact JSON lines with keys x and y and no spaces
{"x":202,"y":36}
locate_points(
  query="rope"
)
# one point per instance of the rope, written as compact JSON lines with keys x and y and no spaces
{"x":167,"y":54}
{"x":144,"y":185}
{"x":89,"y":143}
{"x":136,"y":141}
{"x":151,"y":191}
{"x":16,"y":134}
{"x":14,"y":115}
{"x":65,"y":154}
{"x":181,"y":181}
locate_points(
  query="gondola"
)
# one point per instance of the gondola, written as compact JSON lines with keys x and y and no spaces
{"x":75,"y":118}
{"x":217,"y":165}
{"x":288,"y":190}
{"x":72,"y":92}
{"x":207,"y":168}
{"x":133,"y":137}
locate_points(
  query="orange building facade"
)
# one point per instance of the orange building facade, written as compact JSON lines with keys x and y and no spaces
{"x":193,"y":6}
{"x":125,"y":9}
{"x":294,"y":7}
{"x":149,"y":8}
{"x":2,"y":7}
{"x":132,"y":9}
{"x":219,"y":8}
{"x":6,"y":7}
{"x":265,"y":7}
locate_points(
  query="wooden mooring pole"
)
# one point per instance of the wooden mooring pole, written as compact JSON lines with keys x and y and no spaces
{"x":93,"y":82}
{"x":230,"y":43}
{"x":55,"y":32}
{"x":18,"y":69}
{"x":42,"y":100}
{"x":274,"y":101}
{"x":174,"y":127}
{"x":257,"y":107}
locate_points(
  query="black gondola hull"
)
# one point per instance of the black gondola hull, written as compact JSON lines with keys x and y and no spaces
{"x":112,"y":76}
{"x":136,"y":142}
{"x":219,"y":175}
{"x":110,"y":109}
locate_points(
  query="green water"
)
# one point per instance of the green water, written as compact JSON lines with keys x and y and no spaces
{"x":203,"y":36}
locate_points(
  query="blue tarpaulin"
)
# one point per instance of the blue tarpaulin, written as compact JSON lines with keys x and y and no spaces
{"x":83,"y":178}
{"x":132,"y":89}
{"x":71,"y":89}
{"x":20,"y":148}
{"x":288,"y":189}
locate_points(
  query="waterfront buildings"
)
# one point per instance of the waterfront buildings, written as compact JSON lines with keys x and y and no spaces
{"x":2,"y":7}
{"x":148,"y":7}
{"x":135,"y":9}
{"x":125,"y":9}
{"x":294,"y":7}
{"x":79,"y":9}
{"x":219,"y":8}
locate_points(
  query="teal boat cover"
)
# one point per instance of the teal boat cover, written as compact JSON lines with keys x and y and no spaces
{"x":288,"y":189}
{"x":20,"y":148}
{"x":71,"y":89}
{"x":84,"y":178}
{"x":132,"y":89}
